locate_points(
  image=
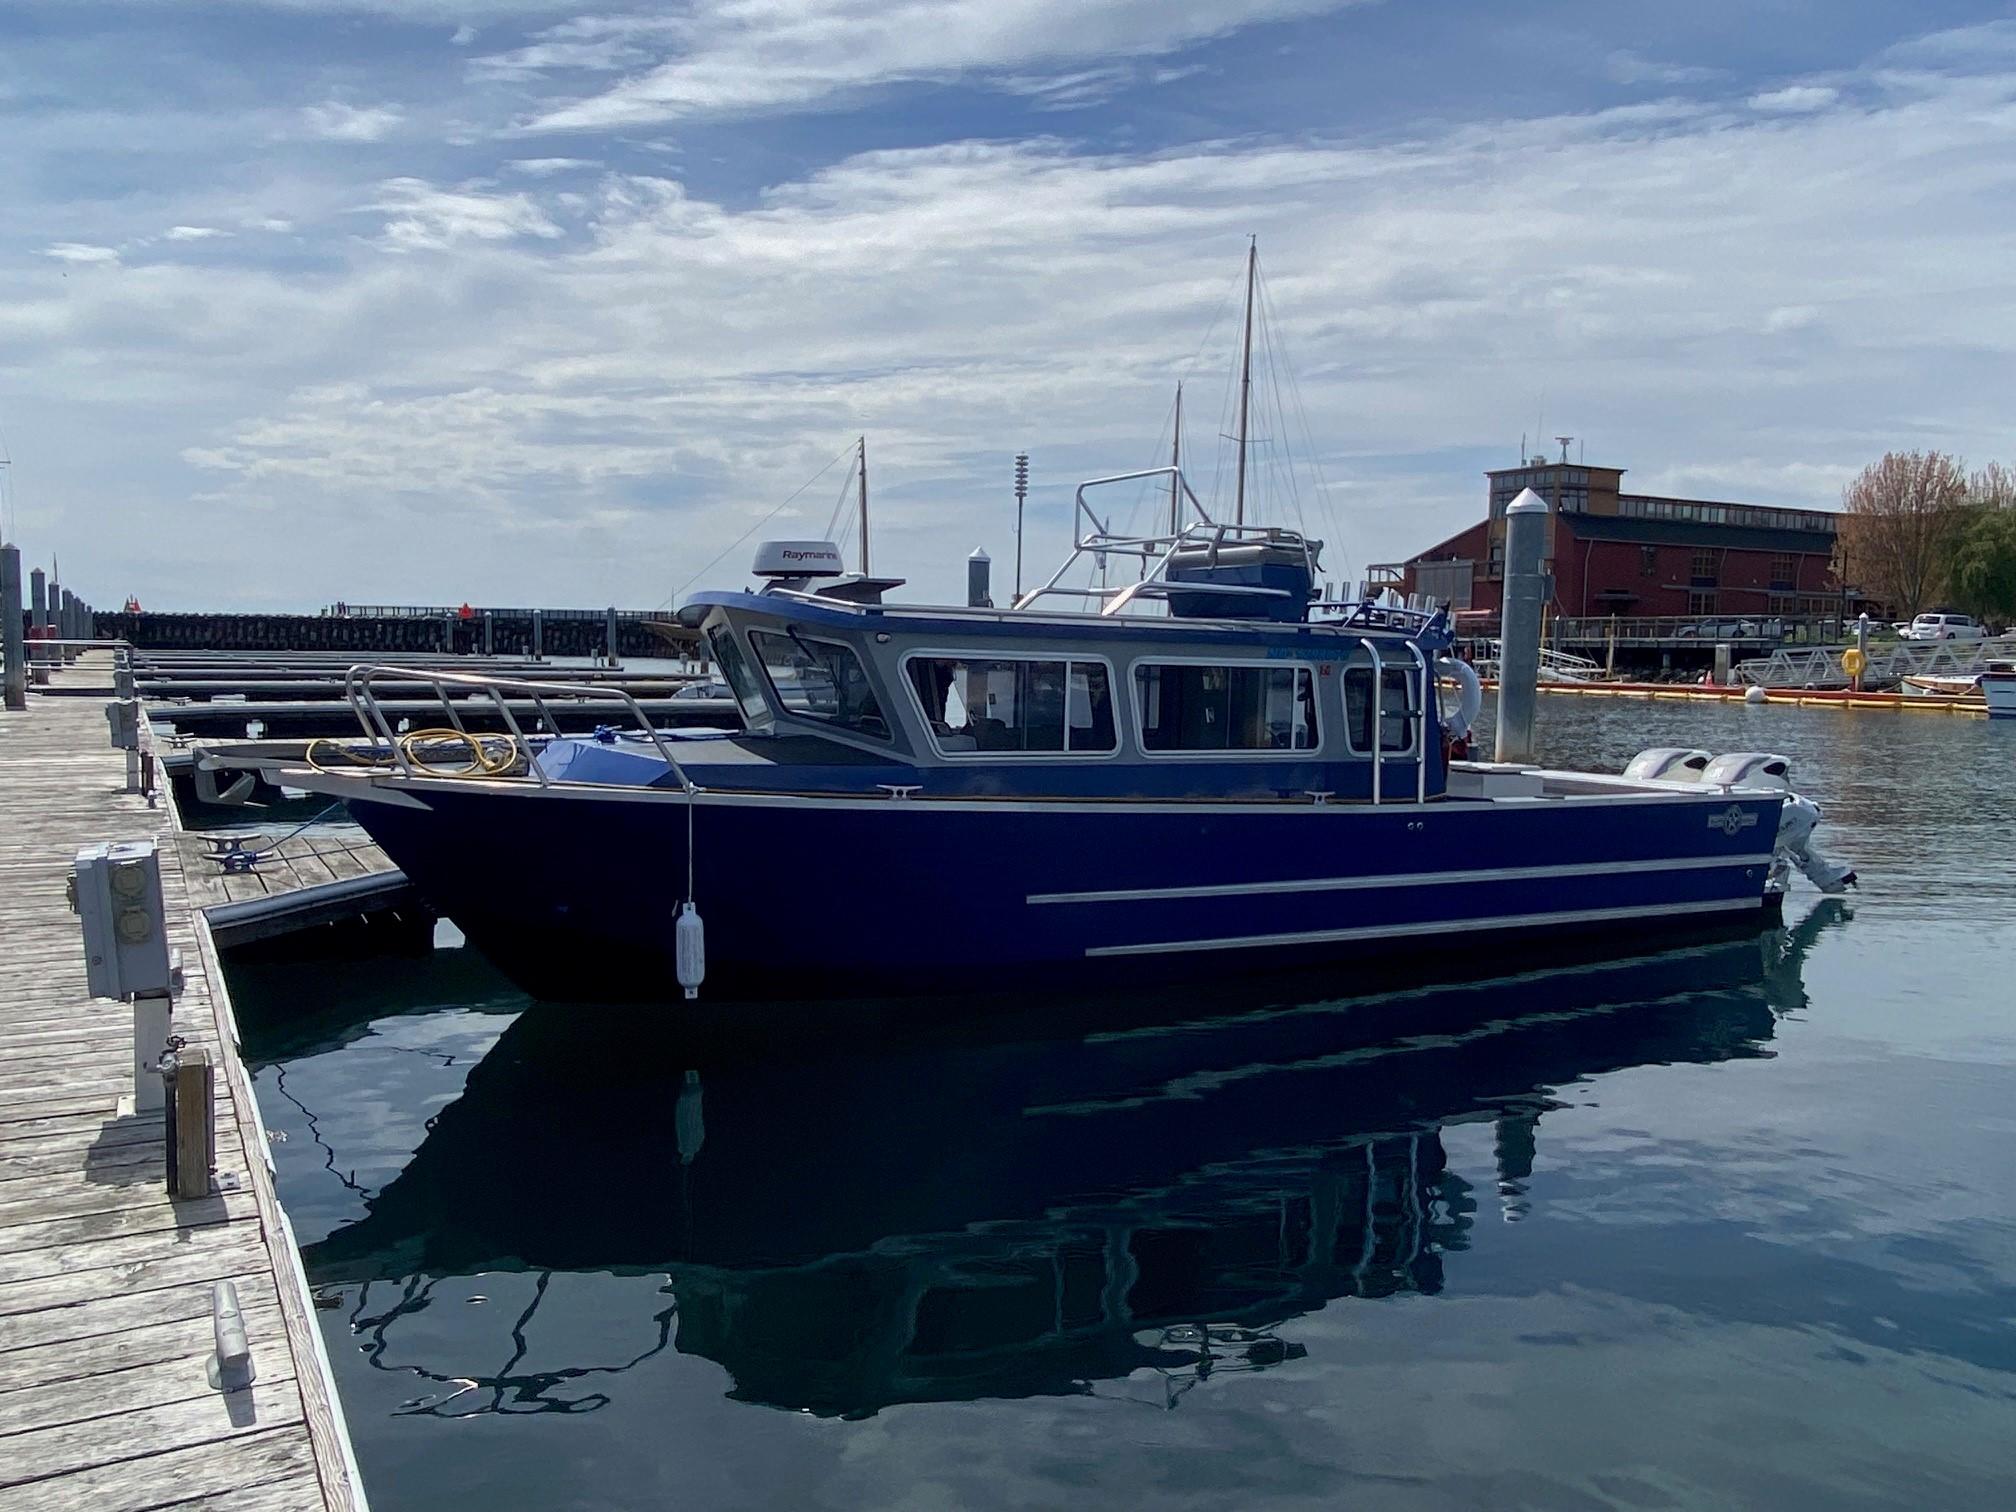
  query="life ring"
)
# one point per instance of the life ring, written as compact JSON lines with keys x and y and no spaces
{"x":1469,"y":697}
{"x":1852,"y":662}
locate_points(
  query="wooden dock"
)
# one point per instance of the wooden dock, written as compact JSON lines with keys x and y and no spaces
{"x":105,"y":1282}
{"x":297,"y":881}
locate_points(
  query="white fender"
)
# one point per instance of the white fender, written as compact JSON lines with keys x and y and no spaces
{"x":1469,"y":695}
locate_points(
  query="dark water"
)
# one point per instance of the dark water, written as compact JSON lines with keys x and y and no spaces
{"x":1728,"y":1227}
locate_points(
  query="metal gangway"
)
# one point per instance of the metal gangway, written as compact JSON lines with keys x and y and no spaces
{"x":1888,"y":662}
{"x":1555,"y":666}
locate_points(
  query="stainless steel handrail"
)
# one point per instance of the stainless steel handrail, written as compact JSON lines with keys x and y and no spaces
{"x":1420,"y":718}
{"x":359,"y":687}
{"x":1378,"y":716}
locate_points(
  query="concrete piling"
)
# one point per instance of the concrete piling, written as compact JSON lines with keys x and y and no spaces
{"x":1526,"y":594}
{"x":13,"y":644}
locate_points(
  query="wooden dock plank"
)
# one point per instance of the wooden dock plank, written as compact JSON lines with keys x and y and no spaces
{"x":25,"y":1374}
{"x":40,"y":1453}
{"x":197,"y":1257}
{"x":213,"y":1474}
{"x":105,"y":1283}
{"x":153,"y":1383}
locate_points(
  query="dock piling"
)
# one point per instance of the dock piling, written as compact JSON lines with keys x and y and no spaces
{"x":38,"y":615}
{"x":192,"y":1130}
{"x":13,"y":645}
{"x":538,"y":635}
{"x":610,"y":644}
{"x":1526,"y":593}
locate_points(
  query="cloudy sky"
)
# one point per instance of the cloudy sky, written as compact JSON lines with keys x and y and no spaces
{"x":523,"y":302}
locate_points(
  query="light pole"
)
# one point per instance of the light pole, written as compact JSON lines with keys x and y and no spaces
{"x":1021,"y":493}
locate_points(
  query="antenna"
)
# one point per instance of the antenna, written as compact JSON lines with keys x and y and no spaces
{"x":1021,"y":493}
{"x":1564,"y":440}
{"x":863,"y":444}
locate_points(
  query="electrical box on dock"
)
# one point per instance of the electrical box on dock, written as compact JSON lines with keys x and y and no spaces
{"x":116,"y":893}
{"x":123,"y":715}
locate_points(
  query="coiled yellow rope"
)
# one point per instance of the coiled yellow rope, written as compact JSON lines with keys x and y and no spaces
{"x":489,"y":755}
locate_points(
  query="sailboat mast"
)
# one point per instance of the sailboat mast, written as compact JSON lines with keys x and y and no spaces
{"x":1245,"y":383}
{"x":862,"y":469}
{"x":1176,"y":462}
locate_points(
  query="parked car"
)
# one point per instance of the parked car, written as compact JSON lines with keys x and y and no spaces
{"x":1943,"y":626}
{"x":1721,"y":629}
{"x":705,"y":690}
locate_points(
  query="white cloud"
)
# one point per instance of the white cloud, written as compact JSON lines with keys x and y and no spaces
{"x":192,"y":233}
{"x":426,"y":218}
{"x":464,"y":35}
{"x":731,"y":57}
{"x":584,"y":387}
{"x":1795,"y":99}
{"x":337,"y":122}
{"x":1627,"y":67}
{"x":82,"y":254}
{"x":548,"y":166}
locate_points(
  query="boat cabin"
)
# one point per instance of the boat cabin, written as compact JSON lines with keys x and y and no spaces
{"x":1234,"y":693}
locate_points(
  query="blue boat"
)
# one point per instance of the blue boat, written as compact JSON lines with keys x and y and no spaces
{"x":1203,"y":769}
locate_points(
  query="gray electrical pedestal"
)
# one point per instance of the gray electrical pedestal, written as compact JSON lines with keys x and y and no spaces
{"x":116,"y":893}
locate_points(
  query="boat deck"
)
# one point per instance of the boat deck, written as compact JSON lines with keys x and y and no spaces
{"x":105,"y":1281}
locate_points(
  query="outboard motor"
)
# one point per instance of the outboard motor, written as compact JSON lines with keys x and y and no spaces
{"x":1667,"y":764}
{"x":1795,"y":847}
{"x":1796,"y":820}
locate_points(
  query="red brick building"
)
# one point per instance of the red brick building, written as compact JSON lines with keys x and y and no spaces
{"x":1617,"y":553}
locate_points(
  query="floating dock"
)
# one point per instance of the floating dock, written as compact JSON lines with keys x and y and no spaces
{"x":106,"y":1326}
{"x":1808,"y":698}
{"x":294,"y":882}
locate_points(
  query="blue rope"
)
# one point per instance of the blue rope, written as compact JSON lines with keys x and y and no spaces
{"x":274,"y":845}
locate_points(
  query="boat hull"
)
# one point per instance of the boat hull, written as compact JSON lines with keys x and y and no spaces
{"x":1999,"y":689}
{"x":574,"y":891}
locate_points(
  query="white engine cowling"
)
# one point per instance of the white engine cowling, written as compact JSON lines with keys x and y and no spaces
{"x":1667,"y":764}
{"x":1750,"y":769}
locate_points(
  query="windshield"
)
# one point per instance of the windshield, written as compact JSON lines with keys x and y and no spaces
{"x":742,"y":679}
{"x":820,"y":679}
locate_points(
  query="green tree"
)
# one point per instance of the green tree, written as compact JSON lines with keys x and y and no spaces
{"x":1982,"y":568}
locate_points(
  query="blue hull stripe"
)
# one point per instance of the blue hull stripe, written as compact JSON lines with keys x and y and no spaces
{"x":1431,"y":926}
{"x":1402,"y":879}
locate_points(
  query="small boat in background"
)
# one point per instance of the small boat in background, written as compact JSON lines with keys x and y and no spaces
{"x":1998,"y":689}
{"x":1993,"y":689}
{"x":1926,"y":685}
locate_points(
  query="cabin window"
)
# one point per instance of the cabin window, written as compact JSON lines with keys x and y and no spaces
{"x":991,"y":704}
{"x":1237,"y":708}
{"x":820,"y":679}
{"x":1396,"y":710}
{"x":741,"y":677}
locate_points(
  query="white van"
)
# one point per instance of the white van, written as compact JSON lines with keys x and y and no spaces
{"x":1927,"y":627}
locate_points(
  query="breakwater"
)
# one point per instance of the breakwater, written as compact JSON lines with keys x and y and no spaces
{"x":510,"y":632}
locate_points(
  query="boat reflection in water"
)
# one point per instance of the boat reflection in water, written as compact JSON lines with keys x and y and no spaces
{"x":1125,"y":1211}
